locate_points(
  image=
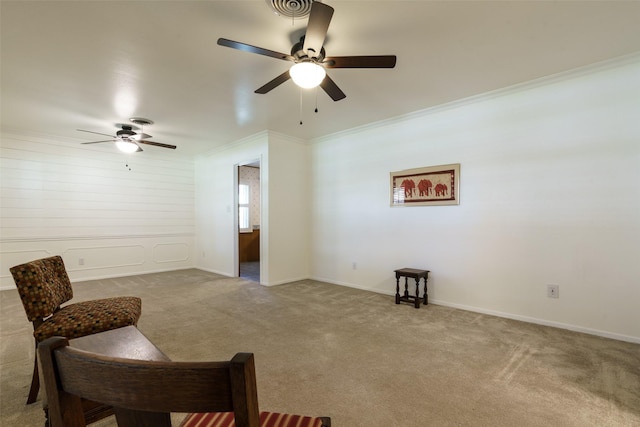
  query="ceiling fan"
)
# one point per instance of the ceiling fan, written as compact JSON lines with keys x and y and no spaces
{"x":127,"y":140}
{"x":309,"y":58}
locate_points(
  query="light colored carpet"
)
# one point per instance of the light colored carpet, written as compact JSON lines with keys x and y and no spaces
{"x":357,"y":357}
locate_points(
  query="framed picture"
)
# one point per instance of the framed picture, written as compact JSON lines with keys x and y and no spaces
{"x":434,"y":185}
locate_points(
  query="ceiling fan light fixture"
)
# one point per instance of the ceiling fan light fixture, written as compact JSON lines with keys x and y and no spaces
{"x":307,"y":75}
{"x":126,"y":146}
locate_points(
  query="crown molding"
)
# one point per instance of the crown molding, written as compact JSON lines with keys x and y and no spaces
{"x":574,"y":73}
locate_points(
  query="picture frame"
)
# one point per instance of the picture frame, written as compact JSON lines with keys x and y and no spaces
{"x":427,"y":186}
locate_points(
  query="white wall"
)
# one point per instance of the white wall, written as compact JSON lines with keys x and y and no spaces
{"x":284,"y":232}
{"x":550,"y":194}
{"x":289,"y":197}
{"x":82,"y":202}
{"x":216,"y":201}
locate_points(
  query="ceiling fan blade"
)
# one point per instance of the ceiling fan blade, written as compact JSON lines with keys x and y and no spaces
{"x":95,"y":142}
{"x":97,"y":133}
{"x":371,"y":61}
{"x":274,"y":83}
{"x":332,"y":88}
{"x":157,"y":144}
{"x":319,"y":20}
{"x":254,"y":49}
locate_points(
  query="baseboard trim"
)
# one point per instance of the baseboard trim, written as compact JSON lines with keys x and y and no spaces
{"x":112,"y":276}
{"x":210,"y":270}
{"x":284,"y":282}
{"x":534,"y":320}
{"x":544,"y":322}
{"x":115,"y":276}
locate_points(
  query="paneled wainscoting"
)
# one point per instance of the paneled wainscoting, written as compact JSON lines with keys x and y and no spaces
{"x":99,"y":257}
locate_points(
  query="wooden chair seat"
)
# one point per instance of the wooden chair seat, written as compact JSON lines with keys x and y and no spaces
{"x":90,"y":317}
{"x":267,"y":419}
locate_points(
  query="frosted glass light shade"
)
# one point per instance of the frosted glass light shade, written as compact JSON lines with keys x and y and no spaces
{"x":126,"y":146}
{"x":307,"y":74}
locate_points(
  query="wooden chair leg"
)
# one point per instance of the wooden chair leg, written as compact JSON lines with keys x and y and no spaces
{"x":35,"y":383}
{"x":326,"y":421}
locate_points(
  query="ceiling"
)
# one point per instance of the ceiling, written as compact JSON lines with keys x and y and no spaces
{"x":70,"y":65}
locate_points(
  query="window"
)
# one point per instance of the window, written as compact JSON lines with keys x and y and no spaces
{"x":243,"y":208}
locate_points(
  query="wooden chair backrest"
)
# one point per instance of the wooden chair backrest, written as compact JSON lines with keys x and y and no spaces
{"x":144,"y":392}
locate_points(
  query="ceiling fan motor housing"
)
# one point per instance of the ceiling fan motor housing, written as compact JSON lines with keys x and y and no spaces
{"x":127,"y":131}
{"x":297,"y":51}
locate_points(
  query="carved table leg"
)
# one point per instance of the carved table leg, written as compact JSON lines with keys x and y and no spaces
{"x":417,"y":301}
{"x":397,"y":288}
{"x":426,"y":299}
{"x":406,"y":287}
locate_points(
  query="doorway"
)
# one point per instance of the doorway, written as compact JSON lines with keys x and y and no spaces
{"x":249,"y":221}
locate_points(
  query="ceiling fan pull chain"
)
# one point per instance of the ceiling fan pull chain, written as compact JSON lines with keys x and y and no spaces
{"x":300,"y":105}
{"x":316,"y":110}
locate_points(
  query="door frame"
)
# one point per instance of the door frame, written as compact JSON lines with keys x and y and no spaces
{"x":236,"y":244}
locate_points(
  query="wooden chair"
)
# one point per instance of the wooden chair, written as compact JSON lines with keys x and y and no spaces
{"x":44,"y":285}
{"x":143,"y":393}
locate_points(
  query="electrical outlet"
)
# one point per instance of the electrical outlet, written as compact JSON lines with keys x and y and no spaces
{"x":80,"y":261}
{"x":553,"y":291}
{"x":354,"y":265}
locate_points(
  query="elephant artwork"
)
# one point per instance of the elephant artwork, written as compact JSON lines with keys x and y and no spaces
{"x":441,"y":190}
{"x":425,"y":187}
{"x":409,"y":187}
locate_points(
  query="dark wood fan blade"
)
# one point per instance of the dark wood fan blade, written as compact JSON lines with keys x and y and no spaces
{"x":95,"y":142}
{"x":274,"y":83}
{"x":97,"y":133}
{"x":319,"y":20}
{"x":332,"y":89}
{"x":157,"y":144}
{"x":254,"y":49}
{"x":372,"y":61}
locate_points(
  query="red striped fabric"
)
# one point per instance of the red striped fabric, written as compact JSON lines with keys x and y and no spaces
{"x":267,"y":419}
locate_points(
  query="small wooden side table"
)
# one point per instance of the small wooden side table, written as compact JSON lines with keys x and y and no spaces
{"x":414,"y":274}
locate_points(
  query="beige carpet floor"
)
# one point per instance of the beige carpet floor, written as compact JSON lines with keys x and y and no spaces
{"x":323,"y":349}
